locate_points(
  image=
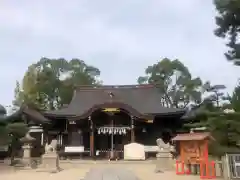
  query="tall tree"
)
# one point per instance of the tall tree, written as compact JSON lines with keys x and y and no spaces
{"x":224,"y":125}
{"x":228,"y":22}
{"x":10,"y":133}
{"x":49,"y":83}
{"x":235,"y":99}
{"x":174,"y":81}
{"x":216,"y":93}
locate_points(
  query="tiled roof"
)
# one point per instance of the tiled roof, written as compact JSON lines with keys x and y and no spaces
{"x":192,"y":136}
{"x":34,"y":115}
{"x":137,"y":99}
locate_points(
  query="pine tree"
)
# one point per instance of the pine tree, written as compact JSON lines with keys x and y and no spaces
{"x":224,"y":126}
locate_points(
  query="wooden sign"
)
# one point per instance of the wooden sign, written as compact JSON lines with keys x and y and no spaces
{"x":111,"y":110}
{"x":150,"y":121}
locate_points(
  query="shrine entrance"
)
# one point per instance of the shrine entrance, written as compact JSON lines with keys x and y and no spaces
{"x":112,"y":132}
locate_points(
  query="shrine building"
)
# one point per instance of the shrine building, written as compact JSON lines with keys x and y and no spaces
{"x":100,"y":120}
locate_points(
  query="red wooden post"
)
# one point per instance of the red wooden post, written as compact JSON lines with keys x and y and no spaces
{"x":205,"y":166}
{"x":182,"y":171}
{"x":178,"y":172}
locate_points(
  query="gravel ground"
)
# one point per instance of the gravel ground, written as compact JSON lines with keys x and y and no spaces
{"x":76,"y":171}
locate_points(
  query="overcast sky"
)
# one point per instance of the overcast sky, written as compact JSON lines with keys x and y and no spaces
{"x":121,"y":38}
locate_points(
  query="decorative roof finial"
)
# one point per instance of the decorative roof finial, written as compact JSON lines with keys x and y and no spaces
{"x":111,"y":94}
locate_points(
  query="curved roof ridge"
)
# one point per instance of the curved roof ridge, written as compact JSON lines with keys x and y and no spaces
{"x":106,"y":87}
{"x":116,"y":104}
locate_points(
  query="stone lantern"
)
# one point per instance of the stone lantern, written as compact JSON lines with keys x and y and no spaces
{"x":27,"y":141}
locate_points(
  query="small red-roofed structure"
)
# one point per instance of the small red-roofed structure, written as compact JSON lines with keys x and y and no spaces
{"x":193,"y":146}
{"x":194,"y":151}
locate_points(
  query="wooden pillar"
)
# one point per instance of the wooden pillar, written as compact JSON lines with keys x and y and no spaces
{"x":80,"y":137}
{"x":92,"y":154}
{"x":132,"y":130}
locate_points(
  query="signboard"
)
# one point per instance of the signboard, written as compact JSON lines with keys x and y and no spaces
{"x":74,"y":149}
{"x":150,"y":121}
{"x":111,"y":110}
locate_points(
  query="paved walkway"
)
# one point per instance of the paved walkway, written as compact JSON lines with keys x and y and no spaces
{"x":76,"y":171}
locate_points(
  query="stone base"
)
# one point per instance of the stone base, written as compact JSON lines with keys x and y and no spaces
{"x":164,"y":162}
{"x":27,"y":163}
{"x":164,"y":154}
{"x":50,"y":163}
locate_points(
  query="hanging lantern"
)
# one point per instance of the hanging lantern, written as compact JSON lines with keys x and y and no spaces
{"x":120,"y":131}
{"x":124,"y":131}
{"x":104,"y":131}
{"x":115,"y":131}
{"x":99,"y":131}
{"x":110,"y":131}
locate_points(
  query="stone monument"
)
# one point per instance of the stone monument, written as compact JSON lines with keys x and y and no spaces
{"x":164,"y":156}
{"x":27,"y":146}
{"x":50,"y":160}
{"x":134,"y":151}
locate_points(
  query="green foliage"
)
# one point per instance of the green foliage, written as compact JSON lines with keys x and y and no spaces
{"x":235,"y":99}
{"x":216,"y":94}
{"x":49,"y":83}
{"x":225,"y":129}
{"x":224,"y":125}
{"x":228,"y":22}
{"x":4,"y":136}
{"x":174,"y":81}
{"x":11,"y":132}
{"x":17,"y":129}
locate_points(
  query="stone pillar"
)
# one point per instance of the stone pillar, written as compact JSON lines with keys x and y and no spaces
{"x":132,"y":130}
{"x":92,"y":154}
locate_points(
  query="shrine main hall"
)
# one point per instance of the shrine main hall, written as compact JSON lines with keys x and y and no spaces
{"x":100,"y":120}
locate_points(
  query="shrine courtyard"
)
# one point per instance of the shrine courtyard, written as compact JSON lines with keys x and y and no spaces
{"x":77,"y":171}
